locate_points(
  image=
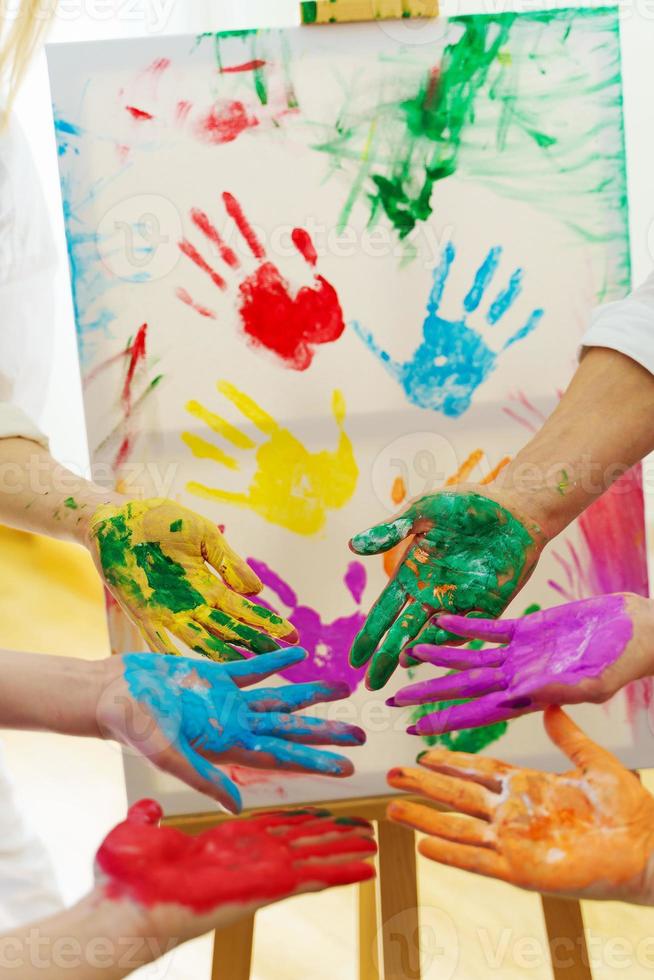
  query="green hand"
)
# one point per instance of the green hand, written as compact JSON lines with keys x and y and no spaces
{"x":470,"y":555}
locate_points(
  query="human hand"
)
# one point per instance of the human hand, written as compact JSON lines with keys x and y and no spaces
{"x":291,"y":486}
{"x":186,"y":886}
{"x":454,"y":357}
{"x":287,"y":322}
{"x":588,"y":833}
{"x":153,"y":556}
{"x":472,"y":552}
{"x":186,"y":716}
{"x":583,"y":651}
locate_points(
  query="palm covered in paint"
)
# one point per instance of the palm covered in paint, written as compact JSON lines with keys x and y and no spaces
{"x":154,"y":555}
{"x":588,"y":833}
{"x":202,"y":716}
{"x":454,"y":358}
{"x":288,"y":322}
{"x":326,"y":642}
{"x":584,"y":651}
{"x":188,"y":886}
{"x":470,"y":554}
{"x":292,"y":486}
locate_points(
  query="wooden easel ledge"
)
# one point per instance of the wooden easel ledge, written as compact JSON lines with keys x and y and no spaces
{"x":347,"y":11}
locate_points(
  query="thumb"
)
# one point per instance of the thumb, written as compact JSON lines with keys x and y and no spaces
{"x":385,"y":535}
{"x":578,"y":747}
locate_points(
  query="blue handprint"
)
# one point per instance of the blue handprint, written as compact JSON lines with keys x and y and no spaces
{"x":453,"y":359}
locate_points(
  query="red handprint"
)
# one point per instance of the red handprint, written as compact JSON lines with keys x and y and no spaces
{"x":272,"y":316}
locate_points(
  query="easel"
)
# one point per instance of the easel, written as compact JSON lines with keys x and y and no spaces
{"x":393,"y":896}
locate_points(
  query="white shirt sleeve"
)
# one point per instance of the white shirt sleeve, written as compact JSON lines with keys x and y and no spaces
{"x":27,"y":264}
{"x":626,"y":325}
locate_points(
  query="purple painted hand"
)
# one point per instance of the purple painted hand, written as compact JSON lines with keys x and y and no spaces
{"x":584,"y":651}
{"x":328,"y":644}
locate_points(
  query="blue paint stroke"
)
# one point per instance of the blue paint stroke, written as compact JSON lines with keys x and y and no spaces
{"x":454,"y":360}
{"x":200,"y":709}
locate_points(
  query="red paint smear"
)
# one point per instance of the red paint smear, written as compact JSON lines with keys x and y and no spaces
{"x":185,"y":297}
{"x":182,"y":110}
{"x":188,"y":249}
{"x":286,"y":324}
{"x":614,"y":531}
{"x":137,"y":354}
{"x":124,"y":452}
{"x":246,"y":66}
{"x":159,"y":65}
{"x":235,"y":211}
{"x":201,"y":221}
{"x":304,"y":245}
{"x":139,"y":114}
{"x":224,"y":124}
{"x":239,"y":861}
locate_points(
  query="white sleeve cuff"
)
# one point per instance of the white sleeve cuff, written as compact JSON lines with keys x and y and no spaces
{"x":15,"y":423}
{"x":626,"y":326}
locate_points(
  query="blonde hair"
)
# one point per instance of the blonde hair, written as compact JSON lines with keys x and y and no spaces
{"x":18,"y":42}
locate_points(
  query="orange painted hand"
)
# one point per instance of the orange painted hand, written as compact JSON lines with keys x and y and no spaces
{"x":291,"y":487}
{"x":588,"y":833}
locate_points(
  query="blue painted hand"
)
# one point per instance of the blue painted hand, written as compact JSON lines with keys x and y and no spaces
{"x":186,"y":715}
{"x":454,"y":359}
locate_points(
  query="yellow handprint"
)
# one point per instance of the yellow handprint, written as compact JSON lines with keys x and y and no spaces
{"x":292,"y":487}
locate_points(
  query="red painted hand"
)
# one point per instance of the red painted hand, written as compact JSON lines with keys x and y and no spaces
{"x":189,"y":885}
{"x":272,"y":315}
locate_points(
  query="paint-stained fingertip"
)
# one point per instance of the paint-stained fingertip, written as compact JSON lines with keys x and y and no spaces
{"x":394,"y":776}
{"x":353,"y":734}
{"x":413,"y":730}
{"x":336,"y":691}
{"x":391,"y":703}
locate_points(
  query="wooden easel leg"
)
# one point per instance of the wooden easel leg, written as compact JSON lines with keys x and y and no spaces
{"x":232,"y":951}
{"x":368,"y":931}
{"x":567,"y":940}
{"x":398,"y":890}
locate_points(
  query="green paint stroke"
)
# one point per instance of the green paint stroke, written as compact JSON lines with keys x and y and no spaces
{"x":167,"y":579}
{"x":177,"y":525}
{"x":564,"y":483}
{"x":471,"y":740}
{"x":309,"y":12}
{"x":529,"y":105}
{"x":268,"y":47}
{"x":71,"y":503}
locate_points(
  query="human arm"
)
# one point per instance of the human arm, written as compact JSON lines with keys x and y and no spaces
{"x":153,"y":555}
{"x":185,"y":716}
{"x":579,"y":652}
{"x":588,"y":833}
{"x":157,"y":888}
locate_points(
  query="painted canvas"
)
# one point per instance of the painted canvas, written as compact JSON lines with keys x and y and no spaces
{"x":320,"y":270}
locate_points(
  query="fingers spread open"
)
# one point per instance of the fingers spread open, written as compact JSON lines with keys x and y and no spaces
{"x":244,"y":611}
{"x":490,"y":630}
{"x":451,"y":826}
{"x":462,"y":795}
{"x":380,"y":618}
{"x":466,"y":684}
{"x":311,"y":731}
{"x":225,"y":627}
{"x":293,"y":697}
{"x":481,"y":860}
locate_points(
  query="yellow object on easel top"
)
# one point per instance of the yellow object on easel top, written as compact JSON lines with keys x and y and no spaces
{"x":347,"y":11}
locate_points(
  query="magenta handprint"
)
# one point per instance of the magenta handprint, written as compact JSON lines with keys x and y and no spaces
{"x":273,"y":315}
{"x":328,"y":644}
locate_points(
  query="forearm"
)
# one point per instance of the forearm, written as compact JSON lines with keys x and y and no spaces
{"x":38,"y":494}
{"x":47,"y":693}
{"x":603,"y":425}
{"x":96,"y":939}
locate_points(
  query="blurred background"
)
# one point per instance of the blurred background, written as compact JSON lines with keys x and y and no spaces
{"x":51,"y":602}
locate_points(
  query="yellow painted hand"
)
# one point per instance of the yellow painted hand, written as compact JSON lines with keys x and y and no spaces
{"x":292,"y":487}
{"x":154,"y":555}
